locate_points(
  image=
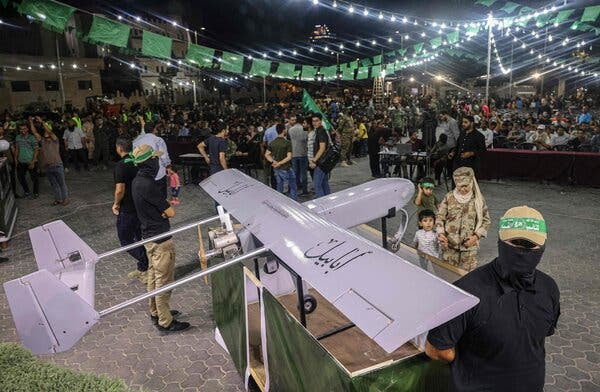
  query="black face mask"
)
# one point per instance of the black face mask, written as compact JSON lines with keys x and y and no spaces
{"x":517,"y":265}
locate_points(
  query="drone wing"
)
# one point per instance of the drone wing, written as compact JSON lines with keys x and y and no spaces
{"x":388,"y":298}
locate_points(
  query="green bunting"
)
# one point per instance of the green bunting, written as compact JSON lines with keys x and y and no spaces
{"x":156,"y":45}
{"x":510,"y":7}
{"x":200,"y":56}
{"x":486,"y":3}
{"x":436,"y":42}
{"x":260,"y":67}
{"x":377,"y":59}
{"x":329,"y":72}
{"x":452,"y":37}
{"x":590,"y":14}
{"x":348,"y":72}
{"x":376,"y":71}
{"x":108,"y":32}
{"x":308,"y":72}
{"x":53,"y":15}
{"x":418,"y":47}
{"x":231,"y":62}
{"x":363,"y":73}
{"x":286,"y":70}
{"x":562,"y":16}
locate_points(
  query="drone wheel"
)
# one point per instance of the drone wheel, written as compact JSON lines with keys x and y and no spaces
{"x":310,"y":304}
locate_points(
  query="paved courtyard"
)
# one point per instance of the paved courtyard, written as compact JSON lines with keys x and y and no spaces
{"x":126,"y":345}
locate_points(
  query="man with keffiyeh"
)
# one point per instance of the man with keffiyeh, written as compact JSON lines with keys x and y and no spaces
{"x":462,"y":220}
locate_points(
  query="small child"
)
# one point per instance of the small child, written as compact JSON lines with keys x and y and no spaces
{"x":426,"y":238}
{"x":425,"y":199}
{"x":174,"y":184}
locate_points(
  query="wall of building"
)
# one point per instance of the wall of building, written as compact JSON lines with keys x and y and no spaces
{"x":18,"y":71}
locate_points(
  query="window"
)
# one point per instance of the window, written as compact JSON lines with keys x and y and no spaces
{"x":20,"y":85}
{"x":84,"y":84}
{"x":51,"y":85}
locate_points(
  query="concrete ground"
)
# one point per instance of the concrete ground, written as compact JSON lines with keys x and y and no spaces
{"x":126,"y":344}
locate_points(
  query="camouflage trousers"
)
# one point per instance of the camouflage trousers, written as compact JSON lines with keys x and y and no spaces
{"x":466,"y":260}
{"x":346,"y":147}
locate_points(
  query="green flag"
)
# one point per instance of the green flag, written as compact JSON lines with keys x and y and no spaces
{"x":53,"y":15}
{"x":260,"y":67}
{"x":418,"y":47}
{"x":562,"y":16}
{"x":377,"y":59}
{"x":510,"y":7}
{"x":390,"y":68}
{"x":231,"y":62}
{"x":308,"y":72}
{"x":201,"y":56}
{"x":486,"y":3}
{"x":436,"y":42}
{"x":590,"y":14}
{"x":366,"y":62}
{"x":286,"y":70}
{"x":543,"y":20}
{"x":376,"y":71}
{"x":363,"y":73}
{"x":156,"y":45}
{"x":402,"y":52}
{"x":472,"y":30}
{"x":348,"y":73}
{"x":308,"y":105}
{"x":329,"y":72}
{"x":353,"y":64}
{"x":106,"y":31}
{"x":452,"y":37}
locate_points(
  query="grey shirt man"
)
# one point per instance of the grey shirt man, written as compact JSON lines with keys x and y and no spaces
{"x":453,"y":132}
{"x":298,"y":137}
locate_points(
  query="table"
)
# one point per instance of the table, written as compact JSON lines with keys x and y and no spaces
{"x":176,"y":149}
{"x":189,"y":162}
{"x":565,"y":167}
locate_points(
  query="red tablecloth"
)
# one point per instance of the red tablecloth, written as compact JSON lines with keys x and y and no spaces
{"x":581,"y":168}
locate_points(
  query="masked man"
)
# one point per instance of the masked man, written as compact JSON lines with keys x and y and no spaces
{"x":499,"y":344}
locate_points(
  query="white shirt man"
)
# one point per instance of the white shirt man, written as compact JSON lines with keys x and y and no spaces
{"x":157,"y":144}
{"x":74,"y":138}
{"x":489,"y":136}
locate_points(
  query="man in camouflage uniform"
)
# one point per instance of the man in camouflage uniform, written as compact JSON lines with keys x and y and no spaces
{"x":398,"y":116}
{"x":346,"y":129}
{"x":462,"y":220}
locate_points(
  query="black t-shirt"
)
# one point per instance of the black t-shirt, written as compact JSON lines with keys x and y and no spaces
{"x":216,"y":145}
{"x":470,"y":142}
{"x":373,"y":139}
{"x":320,"y":137}
{"x":500,"y":342}
{"x":150,"y":203}
{"x":124,"y":174}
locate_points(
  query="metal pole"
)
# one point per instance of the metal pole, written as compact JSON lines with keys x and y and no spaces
{"x":264,"y":90}
{"x":60,"y":75}
{"x":183,"y":281}
{"x":157,"y":237}
{"x":489,"y":60}
{"x":384,"y":242}
{"x":542,"y":73}
{"x":512,"y":46}
{"x":194,"y":87}
{"x":300,"y":292}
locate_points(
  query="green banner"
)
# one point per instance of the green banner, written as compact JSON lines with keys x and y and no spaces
{"x":486,"y":3}
{"x":309,"y":105}
{"x":472,"y":30}
{"x":353,"y":64}
{"x":562,"y":16}
{"x":366,"y":62}
{"x":543,"y":20}
{"x":308,"y":72}
{"x":260,"y":67}
{"x":329,"y":72}
{"x":436,"y":42}
{"x":348,"y":73}
{"x":201,"y":56}
{"x":51,"y":14}
{"x":510,"y":7}
{"x":363,"y":73}
{"x":106,"y":31}
{"x":286,"y":70}
{"x":402,"y":52}
{"x":376,"y":71}
{"x":377,"y":59}
{"x":453,"y":37}
{"x":590,"y":14}
{"x":418,"y":47}
{"x":390,"y":68}
{"x":156,"y":45}
{"x":231,"y":62}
